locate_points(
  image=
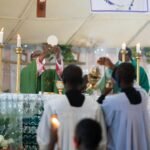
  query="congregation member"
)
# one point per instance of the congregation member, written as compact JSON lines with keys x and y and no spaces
{"x":126,"y":113}
{"x":35,"y":77}
{"x":70,"y":109}
{"x":144,"y":82}
{"x":87,"y":135}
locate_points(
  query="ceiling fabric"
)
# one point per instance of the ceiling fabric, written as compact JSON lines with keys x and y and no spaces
{"x":73,"y":23}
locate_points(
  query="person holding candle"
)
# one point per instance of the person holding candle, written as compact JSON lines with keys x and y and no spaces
{"x":144,"y":83}
{"x":35,"y":77}
{"x":70,"y":109}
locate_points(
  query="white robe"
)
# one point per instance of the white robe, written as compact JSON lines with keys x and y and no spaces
{"x":68,"y":116}
{"x":128,"y":125}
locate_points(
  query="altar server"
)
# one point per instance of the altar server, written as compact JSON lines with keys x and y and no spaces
{"x":126,"y":113}
{"x":70,"y":109}
{"x":144,"y":82}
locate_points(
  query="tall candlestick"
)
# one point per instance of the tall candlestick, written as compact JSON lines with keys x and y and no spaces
{"x":19,"y":53}
{"x":1,"y":67}
{"x":1,"y":35}
{"x":18,"y":40}
{"x":138,"y":55}
{"x":123,"y":52}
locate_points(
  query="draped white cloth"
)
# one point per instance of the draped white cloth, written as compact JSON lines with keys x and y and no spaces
{"x":68,"y":116}
{"x":128,"y":125}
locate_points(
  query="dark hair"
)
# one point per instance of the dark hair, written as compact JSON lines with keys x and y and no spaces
{"x":88,"y":133}
{"x":72,"y":74}
{"x":125,"y":71}
{"x":129,"y":52}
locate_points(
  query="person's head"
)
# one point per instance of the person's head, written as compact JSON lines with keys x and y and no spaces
{"x":72,"y":77}
{"x":128,"y":55}
{"x":88,"y":135}
{"x":124,"y":75}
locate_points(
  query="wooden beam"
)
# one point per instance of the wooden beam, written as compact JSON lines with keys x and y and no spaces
{"x":41,"y":8}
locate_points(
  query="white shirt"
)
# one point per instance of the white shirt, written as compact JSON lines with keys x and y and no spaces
{"x":128,"y":124}
{"x":68,"y":116}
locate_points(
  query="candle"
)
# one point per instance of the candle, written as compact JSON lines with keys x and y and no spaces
{"x":138,"y":50}
{"x":54,"y":121}
{"x":1,"y":35}
{"x":124,"y":46}
{"x":18,"y":41}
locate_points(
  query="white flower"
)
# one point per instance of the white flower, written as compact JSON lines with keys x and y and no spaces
{"x":1,"y":138}
{"x":4,"y":144}
{"x":10,"y":141}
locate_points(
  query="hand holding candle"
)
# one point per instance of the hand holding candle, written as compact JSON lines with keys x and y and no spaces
{"x":18,"y":40}
{"x":54,"y":121}
{"x":1,"y":35}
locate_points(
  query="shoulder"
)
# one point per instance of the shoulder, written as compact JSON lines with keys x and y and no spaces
{"x":90,"y":101}
{"x":113,"y":99}
{"x":54,"y":101}
{"x":142,"y":92}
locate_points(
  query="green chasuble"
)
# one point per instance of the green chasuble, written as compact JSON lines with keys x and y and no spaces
{"x":30,"y":82}
{"x":144,"y":82}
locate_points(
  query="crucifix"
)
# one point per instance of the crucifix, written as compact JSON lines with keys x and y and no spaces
{"x":41,"y":8}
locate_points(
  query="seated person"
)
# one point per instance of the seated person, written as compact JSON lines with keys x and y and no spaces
{"x":70,"y":109}
{"x":144,"y":83}
{"x":35,"y":78}
{"x":87,"y":135}
{"x":126,"y":113}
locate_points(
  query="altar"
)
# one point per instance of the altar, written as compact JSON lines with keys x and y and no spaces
{"x":20,"y":115}
{"x":19,"y":118}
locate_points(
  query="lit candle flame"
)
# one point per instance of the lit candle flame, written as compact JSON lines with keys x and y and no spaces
{"x":123,"y":45}
{"x":55,"y":122}
{"x":18,"y":40}
{"x":138,"y":49}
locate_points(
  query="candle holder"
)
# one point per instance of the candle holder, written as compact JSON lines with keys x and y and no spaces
{"x":19,"y":53}
{"x":93,"y":78}
{"x":109,"y":84}
{"x":1,"y":66}
{"x":138,"y":56}
{"x":124,"y":52}
{"x":60,"y":86}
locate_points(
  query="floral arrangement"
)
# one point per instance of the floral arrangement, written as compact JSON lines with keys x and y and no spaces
{"x":10,"y":133}
{"x":4,"y":144}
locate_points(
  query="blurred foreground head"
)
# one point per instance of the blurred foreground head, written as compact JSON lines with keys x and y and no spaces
{"x":87,"y":135}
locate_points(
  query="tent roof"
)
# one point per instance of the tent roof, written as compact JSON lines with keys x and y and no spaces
{"x":72,"y":22}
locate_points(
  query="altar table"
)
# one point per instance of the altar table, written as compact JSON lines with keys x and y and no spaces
{"x":19,"y":117}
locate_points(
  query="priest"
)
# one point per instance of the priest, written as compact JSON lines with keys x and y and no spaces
{"x":144,"y":83}
{"x":35,"y":77}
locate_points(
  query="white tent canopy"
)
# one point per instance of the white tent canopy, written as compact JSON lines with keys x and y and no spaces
{"x":73,"y":23}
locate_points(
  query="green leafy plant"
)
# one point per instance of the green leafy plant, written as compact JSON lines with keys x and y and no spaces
{"x":9,"y":130}
{"x":67,"y":53}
